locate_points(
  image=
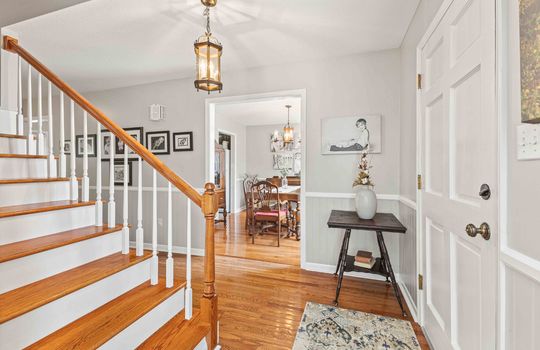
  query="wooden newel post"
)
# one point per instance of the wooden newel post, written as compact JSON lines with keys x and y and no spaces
{"x":209,"y":307}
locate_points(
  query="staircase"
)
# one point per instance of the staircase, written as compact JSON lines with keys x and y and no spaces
{"x":69,"y":278}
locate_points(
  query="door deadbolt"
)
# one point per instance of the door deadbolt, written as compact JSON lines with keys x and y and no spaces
{"x":485,"y":192}
{"x":483,"y":231}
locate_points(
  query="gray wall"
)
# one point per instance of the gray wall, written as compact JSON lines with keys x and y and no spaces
{"x":258,"y":156}
{"x":375,"y":77}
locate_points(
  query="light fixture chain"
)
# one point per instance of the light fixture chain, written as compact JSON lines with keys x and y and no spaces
{"x":207,"y":14}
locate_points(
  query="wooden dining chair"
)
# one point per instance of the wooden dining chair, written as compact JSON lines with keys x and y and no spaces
{"x":268,"y":209}
{"x":249,"y":181}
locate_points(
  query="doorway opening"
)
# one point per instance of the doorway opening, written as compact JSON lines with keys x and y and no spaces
{"x":246,"y":138}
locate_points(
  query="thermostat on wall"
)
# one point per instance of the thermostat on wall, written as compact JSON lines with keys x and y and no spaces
{"x":157,"y":112}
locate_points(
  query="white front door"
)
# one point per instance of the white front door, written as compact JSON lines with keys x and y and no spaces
{"x":459,"y":153}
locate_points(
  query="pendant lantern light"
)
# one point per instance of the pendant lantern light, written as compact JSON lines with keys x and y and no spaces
{"x":208,"y":56}
{"x":288,"y":130}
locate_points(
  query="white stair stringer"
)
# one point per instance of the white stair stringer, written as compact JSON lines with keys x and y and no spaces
{"x":148,"y":324}
{"x":10,"y":145}
{"x":38,"y":323}
{"x":20,"y":272}
{"x":22,"y":168}
{"x":22,"y":227}
{"x":33,"y":192}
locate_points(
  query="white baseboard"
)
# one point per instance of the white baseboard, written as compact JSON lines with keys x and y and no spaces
{"x":175,"y":249}
{"x":407,"y":297}
{"x":331,"y":269}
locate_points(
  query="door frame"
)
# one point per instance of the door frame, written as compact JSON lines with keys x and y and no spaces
{"x":234,"y":173}
{"x":210,"y":126}
{"x":501,"y":158}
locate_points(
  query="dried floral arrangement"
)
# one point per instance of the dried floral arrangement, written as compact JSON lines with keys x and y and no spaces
{"x":363,"y":178}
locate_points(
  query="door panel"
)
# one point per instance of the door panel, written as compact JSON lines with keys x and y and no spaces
{"x":458,"y":155}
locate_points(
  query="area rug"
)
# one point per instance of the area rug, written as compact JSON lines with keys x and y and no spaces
{"x":327,"y":327}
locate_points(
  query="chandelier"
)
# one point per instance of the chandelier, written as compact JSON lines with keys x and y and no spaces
{"x":288,"y":130}
{"x":208,"y":56}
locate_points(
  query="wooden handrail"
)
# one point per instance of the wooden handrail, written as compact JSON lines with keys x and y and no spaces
{"x":11,"y":44}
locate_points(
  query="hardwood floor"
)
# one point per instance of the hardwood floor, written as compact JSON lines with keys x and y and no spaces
{"x":234,"y":240}
{"x":261,"y":303}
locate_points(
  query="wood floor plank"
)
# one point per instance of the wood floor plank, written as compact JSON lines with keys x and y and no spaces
{"x":178,"y":333}
{"x":33,"y":208}
{"x":96,"y":328}
{"x":27,"y":298}
{"x":37,"y":245}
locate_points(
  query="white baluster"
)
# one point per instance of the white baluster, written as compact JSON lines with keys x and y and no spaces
{"x":40,"y":138}
{"x":139,"y":234}
{"x":169,"y":271}
{"x":85,"y":193}
{"x":20,"y":122}
{"x":125,"y":228}
{"x":112,"y":206}
{"x":99,"y":201}
{"x":189,"y":291}
{"x":52,"y":162}
{"x":30,"y":141}
{"x":73,"y":161}
{"x":62,"y":138}
{"x":154,"y":262}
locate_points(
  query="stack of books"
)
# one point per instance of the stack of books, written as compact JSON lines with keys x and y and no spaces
{"x":364,"y":259}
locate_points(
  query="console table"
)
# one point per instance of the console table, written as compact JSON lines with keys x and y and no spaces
{"x":382,"y":222}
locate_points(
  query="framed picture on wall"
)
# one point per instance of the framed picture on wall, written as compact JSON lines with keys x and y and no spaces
{"x":349,"y":135}
{"x":158,"y":142}
{"x":91,"y":145}
{"x":529,"y":28}
{"x":137,"y":133}
{"x":67,"y":147}
{"x":119,"y":173}
{"x":183,"y":141}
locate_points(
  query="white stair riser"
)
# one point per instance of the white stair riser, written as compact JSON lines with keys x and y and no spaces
{"x":33,"y":192}
{"x":12,"y":146}
{"x":8,"y":122}
{"x":34,"y":325}
{"x":145,"y":326}
{"x":21,"y":168}
{"x":20,"y":272}
{"x":22,"y":227}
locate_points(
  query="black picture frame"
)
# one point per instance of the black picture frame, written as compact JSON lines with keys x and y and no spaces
{"x":91,"y":152}
{"x":187,"y":135}
{"x":67,"y":150}
{"x":120,"y":164}
{"x":164,"y":147}
{"x":118,"y":154}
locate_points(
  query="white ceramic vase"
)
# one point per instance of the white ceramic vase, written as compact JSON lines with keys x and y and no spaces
{"x":366,"y":202}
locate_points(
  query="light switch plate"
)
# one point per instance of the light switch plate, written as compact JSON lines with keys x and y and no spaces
{"x":528,"y":141}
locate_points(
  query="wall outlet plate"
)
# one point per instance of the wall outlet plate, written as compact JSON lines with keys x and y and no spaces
{"x":528,"y":141}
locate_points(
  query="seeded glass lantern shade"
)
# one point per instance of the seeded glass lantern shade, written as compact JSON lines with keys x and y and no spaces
{"x":288,"y":134}
{"x":208,"y":58}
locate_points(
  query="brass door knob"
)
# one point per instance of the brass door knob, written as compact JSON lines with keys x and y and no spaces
{"x":483,"y":230}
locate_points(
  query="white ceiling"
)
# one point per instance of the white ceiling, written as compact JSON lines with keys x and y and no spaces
{"x":13,"y":11}
{"x":262,"y":112}
{"x":104,"y":44}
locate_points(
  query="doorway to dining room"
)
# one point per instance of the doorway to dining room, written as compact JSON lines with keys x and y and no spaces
{"x":256,"y":157}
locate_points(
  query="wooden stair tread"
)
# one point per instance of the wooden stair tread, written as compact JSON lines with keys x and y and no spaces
{"x":27,"y":247}
{"x":33,"y":208}
{"x":12,"y":136}
{"x":24,"y":156}
{"x":27,"y":298}
{"x":32,"y":180}
{"x":178,"y":333}
{"x":99,"y":326}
